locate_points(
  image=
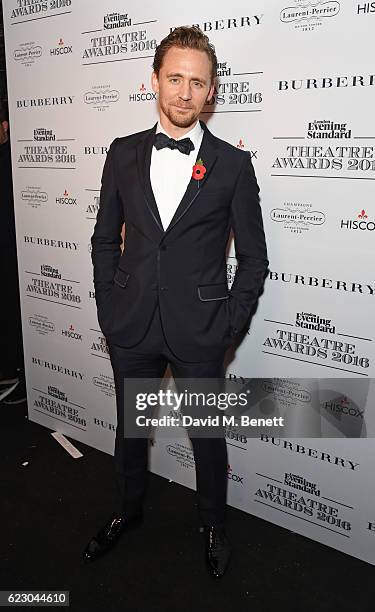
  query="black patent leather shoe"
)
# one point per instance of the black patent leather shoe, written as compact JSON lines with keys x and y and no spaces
{"x":109,"y":535}
{"x":218,"y":550}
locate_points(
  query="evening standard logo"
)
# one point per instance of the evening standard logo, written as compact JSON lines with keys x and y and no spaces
{"x":115,"y":40}
{"x":66,"y":199}
{"x":37,"y":9}
{"x":182,"y":454}
{"x":59,"y":291}
{"x":27,"y":53}
{"x":287,"y":497}
{"x":41,"y":324}
{"x":47,"y":148}
{"x":71,"y":413}
{"x":310,"y":320}
{"x":364,"y":8}
{"x":321,"y":128}
{"x":101,"y":97}
{"x":56,"y":393}
{"x":61,"y":49}
{"x":361,"y":221}
{"x":71,"y":333}
{"x":99,"y":346}
{"x":234,"y":91}
{"x":49,"y":271}
{"x":105,"y":384}
{"x":228,"y":23}
{"x":318,"y":341}
{"x":317,"y":155}
{"x":55,"y":101}
{"x":116,"y":20}
{"x":142,"y":95}
{"x":296,"y":481}
{"x":297,"y":217}
{"x":42,"y":134}
{"x":343,"y":407}
{"x":307,"y":16}
{"x":223,"y":69}
{"x":33,"y":196}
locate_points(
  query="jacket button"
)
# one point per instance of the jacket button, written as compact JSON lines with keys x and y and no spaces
{"x":163,"y":288}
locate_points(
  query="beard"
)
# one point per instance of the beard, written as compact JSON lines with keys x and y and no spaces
{"x":180,"y":119}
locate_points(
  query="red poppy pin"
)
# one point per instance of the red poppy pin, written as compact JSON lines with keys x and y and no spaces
{"x":199,"y":170}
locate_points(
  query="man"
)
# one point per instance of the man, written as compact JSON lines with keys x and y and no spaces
{"x":164,"y":299}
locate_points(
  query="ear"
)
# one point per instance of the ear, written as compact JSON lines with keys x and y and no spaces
{"x":211,"y":91}
{"x":155,"y":82}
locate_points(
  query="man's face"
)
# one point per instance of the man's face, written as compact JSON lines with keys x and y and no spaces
{"x":184,"y":85}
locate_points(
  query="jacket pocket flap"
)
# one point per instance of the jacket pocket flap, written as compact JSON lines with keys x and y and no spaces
{"x":218,"y":291}
{"x":121,"y":277}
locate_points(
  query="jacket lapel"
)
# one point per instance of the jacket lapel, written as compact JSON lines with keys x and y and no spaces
{"x":144,"y":150}
{"x":207,"y":153}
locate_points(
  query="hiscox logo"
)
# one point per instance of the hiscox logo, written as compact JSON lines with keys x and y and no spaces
{"x":61,"y":49}
{"x":101,"y":97}
{"x":71,"y":333}
{"x":27,"y":53}
{"x":297,"y":217}
{"x":66,"y":199}
{"x":307,"y":16}
{"x":234,"y":477}
{"x":242,"y":145}
{"x":365,"y":7}
{"x":142,"y":95}
{"x":361,"y":221}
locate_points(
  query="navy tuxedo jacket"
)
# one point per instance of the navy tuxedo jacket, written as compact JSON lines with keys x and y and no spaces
{"x":183,"y":267}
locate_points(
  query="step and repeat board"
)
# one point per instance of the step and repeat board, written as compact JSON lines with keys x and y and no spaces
{"x":295,"y":87}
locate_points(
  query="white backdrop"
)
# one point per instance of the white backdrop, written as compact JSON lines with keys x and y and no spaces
{"x":296,"y":88}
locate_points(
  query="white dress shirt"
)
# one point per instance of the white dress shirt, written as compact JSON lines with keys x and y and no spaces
{"x":170,"y":173}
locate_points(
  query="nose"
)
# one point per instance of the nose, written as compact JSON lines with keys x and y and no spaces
{"x":185,"y":90}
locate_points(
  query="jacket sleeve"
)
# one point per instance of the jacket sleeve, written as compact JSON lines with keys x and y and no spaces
{"x":250,"y":246}
{"x":106,"y":239}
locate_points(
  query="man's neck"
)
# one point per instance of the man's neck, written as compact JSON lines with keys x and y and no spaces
{"x":174,"y":131}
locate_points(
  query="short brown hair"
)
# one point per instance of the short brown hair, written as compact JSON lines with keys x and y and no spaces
{"x":186,"y":37}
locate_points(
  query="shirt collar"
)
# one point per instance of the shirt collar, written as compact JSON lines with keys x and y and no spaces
{"x":194,"y":134}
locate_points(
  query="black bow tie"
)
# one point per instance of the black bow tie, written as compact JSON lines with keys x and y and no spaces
{"x":184,"y":145}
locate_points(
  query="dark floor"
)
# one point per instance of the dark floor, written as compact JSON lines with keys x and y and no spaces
{"x":52,"y":506}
